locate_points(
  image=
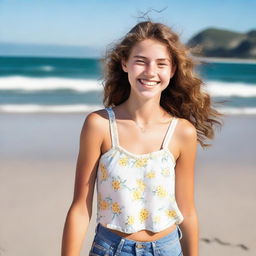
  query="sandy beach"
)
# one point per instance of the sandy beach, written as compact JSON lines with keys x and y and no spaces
{"x":37,"y":168}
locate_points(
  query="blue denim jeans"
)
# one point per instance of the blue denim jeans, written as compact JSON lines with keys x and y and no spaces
{"x":108,"y":243}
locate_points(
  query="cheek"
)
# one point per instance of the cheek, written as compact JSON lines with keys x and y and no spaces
{"x":135,"y":71}
{"x":166,"y":74}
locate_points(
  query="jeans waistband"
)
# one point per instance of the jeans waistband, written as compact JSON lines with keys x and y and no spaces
{"x":112,"y":237}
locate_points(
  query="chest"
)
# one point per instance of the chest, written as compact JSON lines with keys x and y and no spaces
{"x":134,"y":140}
{"x":120,"y":169}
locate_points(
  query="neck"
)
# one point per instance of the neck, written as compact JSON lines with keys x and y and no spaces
{"x":144,"y":113}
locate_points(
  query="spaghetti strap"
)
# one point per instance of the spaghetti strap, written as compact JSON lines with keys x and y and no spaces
{"x":169,"y":132}
{"x":113,"y":127}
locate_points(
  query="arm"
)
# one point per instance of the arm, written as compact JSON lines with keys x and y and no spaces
{"x":184,"y":190}
{"x":80,"y":211}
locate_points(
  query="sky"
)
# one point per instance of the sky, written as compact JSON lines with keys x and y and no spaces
{"x":97,"y":23}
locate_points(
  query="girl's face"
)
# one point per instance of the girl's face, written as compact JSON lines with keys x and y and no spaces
{"x":149,"y":68}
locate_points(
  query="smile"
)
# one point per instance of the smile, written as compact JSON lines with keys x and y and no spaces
{"x":148,"y":82}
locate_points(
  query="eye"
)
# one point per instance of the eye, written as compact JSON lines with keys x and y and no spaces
{"x":162,"y":64}
{"x":140,"y":61}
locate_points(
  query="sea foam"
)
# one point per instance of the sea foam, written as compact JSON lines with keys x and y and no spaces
{"x":215,"y":88}
{"x":53,"y":83}
{"x":81,"y":108}
{"x":34,"y":108}
{"x":225,"y":89}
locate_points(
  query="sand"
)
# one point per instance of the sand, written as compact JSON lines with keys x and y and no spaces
{"x":37,"y":168}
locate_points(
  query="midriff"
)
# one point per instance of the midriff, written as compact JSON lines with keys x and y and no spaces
{"x":144,"y":235}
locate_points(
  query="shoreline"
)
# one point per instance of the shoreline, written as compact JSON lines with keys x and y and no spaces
{"x":225,"y":60}
{"x":76,"y":110}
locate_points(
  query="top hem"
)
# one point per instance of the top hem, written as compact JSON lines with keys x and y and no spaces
{"x":129,"y":231}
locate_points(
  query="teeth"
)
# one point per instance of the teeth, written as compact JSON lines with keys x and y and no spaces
{"x":148,"y":82}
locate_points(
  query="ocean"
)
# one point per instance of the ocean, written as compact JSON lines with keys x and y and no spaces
{"x":35,"y":84}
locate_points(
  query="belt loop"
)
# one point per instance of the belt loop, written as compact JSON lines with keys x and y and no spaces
{"x":119,"y":247}
{"x":180,"y":232}
{"x":154,"y":248}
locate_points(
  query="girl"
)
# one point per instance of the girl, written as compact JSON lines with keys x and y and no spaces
{"x":141,"y":149}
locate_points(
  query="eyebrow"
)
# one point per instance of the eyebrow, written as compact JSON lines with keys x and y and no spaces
{"x":142,"y":57}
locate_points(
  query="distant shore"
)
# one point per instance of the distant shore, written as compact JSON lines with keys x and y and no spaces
{"x":225,"y":60}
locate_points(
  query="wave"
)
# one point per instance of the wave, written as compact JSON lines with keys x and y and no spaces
{"x":44,"y":68}
{"x":225,"y":89}
{"x":215,"y":88}
{"x":53,"y":83}
{"x":81,"y":108}
{"x":33,"y":108}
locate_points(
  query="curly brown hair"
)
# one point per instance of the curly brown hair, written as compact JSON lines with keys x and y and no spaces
{"x":182,"y":98}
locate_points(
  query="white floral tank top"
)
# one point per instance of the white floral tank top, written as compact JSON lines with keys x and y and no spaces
{"x":136,"y":192}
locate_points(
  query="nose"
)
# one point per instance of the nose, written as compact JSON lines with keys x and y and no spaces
{"x":150,"y":69}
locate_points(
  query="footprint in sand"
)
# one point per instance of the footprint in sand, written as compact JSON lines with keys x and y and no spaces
{"x":207,"y":240}
{"x":2,"y":250}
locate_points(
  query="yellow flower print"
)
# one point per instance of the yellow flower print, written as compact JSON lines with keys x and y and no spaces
{"x":161,"y":192}
{"x":104,"y":205}
{"x":130,"y":220}
{"x":157,"y":219}
{"x":104,"y":176}
{"x":143,"y":215}
{"x":151,"y":175}
{"x":171,"y":213}
{"x":141,"y":184}
{"x":116,"y":208}
{"x":103,"y":169}
{"x":166,"y":172}
{"x":116,"y":184}
{"x":123,"y":161}
{"x":136,"y":194}
{"x":141,"y":162}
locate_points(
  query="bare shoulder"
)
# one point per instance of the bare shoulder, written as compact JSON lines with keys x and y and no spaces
{"x":186,"y":131}
{"x":95,"y":121}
